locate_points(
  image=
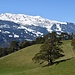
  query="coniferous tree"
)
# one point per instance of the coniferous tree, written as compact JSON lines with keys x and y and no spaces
{"x":14,"y":46}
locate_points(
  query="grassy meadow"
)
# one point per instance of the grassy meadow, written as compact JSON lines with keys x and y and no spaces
{"x":20,"y":62}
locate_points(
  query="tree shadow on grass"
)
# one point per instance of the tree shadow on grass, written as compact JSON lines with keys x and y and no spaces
{"x":64,"y":60}
{"x":57,"y":62}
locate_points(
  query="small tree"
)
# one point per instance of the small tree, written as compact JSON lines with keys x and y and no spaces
{"x":25,"y":44}
{"x":50,"y":51}
{"x":14,"y":45}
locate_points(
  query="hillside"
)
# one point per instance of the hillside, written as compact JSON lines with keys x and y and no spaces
{"x":20,"y":63}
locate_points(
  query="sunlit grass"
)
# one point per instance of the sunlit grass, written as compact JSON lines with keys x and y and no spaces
{"x":20,"y":63}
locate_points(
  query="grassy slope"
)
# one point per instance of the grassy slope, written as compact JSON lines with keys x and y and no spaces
{"x":20,"y":63}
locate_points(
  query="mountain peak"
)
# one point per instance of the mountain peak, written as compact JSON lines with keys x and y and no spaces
{"x":25,"y":27}
{"x":26,"y":19}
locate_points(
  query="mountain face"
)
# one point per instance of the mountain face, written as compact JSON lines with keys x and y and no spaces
{"x":22,"y":27}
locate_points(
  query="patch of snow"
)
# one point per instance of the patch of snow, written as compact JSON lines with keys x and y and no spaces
{"x":28,"y":39}
{"x":10,"y":36}
{"x":38,"y":34}
{"x":16,"y":36}
{"x":4,"y":26}
{"x":30,"y":30}
{"x":0,"y":30}
{"x":5,"y":32}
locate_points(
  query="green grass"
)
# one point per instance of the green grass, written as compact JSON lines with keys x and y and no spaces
{"x":20,"y":63}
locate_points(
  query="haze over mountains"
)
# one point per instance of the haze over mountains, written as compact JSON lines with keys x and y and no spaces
{"x":22,"y":27}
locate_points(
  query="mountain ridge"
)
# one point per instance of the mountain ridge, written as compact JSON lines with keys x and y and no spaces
{"x":22,"y":27}
{"x":30,"y":20}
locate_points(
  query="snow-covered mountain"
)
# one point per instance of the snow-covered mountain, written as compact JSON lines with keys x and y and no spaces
{"x":31,"y":20}
{"x":22,"y":27}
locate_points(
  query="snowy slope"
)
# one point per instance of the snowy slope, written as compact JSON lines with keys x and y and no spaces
{"x":22,"y":27}
{"x":31,"y":20}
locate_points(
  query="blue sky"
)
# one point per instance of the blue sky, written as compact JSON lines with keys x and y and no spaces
{"x":60,"y":10}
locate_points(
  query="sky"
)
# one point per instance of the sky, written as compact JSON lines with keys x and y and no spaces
{"x":60,"y":10}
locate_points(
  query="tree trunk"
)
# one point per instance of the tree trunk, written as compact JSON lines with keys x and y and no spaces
{"x":50,"y":62}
